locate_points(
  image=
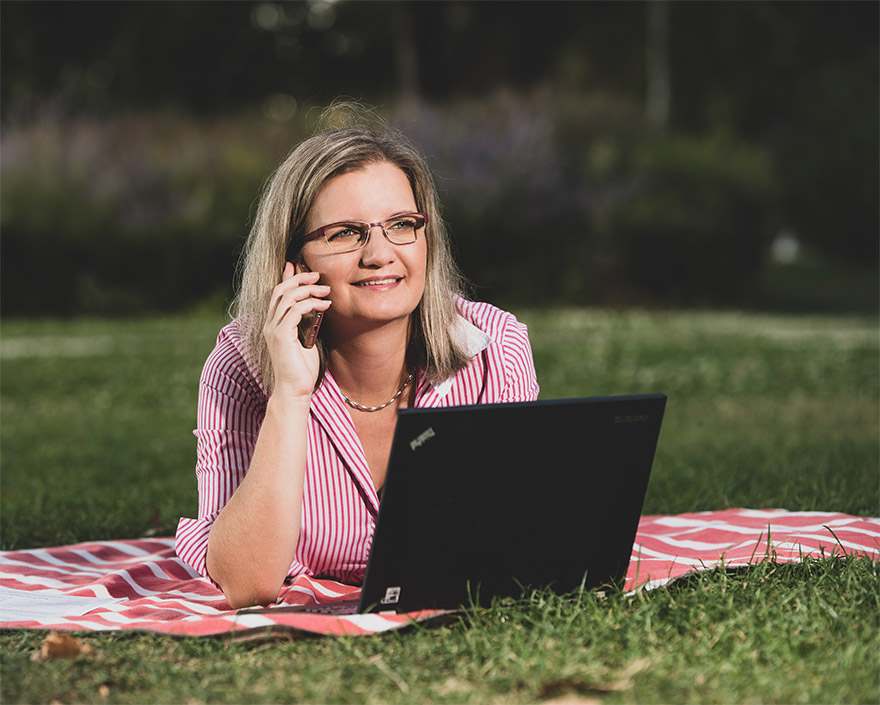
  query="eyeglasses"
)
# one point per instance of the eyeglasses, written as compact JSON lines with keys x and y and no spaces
{"x":402,"y":229}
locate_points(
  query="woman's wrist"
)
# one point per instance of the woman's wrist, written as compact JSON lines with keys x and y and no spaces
{"x":284,"y":402}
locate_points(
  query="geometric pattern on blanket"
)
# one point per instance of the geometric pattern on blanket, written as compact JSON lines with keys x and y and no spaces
{"x":140,"y":584}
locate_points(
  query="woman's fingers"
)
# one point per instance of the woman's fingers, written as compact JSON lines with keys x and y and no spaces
{"x":300,"y":301}
{"x":294,"y":288}
{"x":290,"y":280}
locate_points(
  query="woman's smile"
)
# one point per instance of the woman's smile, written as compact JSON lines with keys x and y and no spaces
{"x":379,"y":283}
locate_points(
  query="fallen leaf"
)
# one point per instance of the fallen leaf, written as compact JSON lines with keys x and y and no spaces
{"x":60,"y":645}
{"x":568,"y":688}
{"x":103,"y":691}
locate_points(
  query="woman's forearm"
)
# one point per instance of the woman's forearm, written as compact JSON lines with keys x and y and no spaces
{"x":253,"y":541}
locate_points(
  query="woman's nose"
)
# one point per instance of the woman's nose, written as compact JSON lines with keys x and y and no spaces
{"x":378,"y":251}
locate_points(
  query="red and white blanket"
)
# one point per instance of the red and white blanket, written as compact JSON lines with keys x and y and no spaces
{"x":141,"y":584}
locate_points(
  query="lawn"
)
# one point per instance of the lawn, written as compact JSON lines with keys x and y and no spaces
{"x":764,"y":411}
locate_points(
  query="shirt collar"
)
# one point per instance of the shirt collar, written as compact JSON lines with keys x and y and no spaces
{"x":472,"y":340}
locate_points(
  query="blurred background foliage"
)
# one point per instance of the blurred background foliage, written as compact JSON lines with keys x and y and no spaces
{"x":653,"y":153}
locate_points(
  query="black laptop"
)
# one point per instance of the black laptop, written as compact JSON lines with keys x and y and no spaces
{"x":489,"y":500}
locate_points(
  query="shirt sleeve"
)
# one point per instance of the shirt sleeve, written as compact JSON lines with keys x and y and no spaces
{"x":231,"y":409}
{"x":520,"y":378}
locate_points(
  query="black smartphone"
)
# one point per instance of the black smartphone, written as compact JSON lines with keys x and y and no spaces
{"x":311,"y":322}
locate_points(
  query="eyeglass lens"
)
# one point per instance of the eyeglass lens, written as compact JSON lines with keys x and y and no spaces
{"x":400,"y":230}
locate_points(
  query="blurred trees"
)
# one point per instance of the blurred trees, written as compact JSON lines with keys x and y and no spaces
{"x":663,"y":144}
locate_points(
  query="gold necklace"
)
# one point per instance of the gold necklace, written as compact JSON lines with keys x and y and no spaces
{"x":355,"y":405}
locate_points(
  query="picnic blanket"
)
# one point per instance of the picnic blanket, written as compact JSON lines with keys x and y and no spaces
{"x":141,"y":584}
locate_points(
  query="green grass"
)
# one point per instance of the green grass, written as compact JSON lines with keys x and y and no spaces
{"x":764,"y":411}
{"x":97,"y":427}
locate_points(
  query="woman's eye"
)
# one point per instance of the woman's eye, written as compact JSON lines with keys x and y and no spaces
{"x":343,"y":234}
{"x":403,"y":224}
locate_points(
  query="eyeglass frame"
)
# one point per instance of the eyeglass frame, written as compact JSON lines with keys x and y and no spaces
{"x":319,"y":232}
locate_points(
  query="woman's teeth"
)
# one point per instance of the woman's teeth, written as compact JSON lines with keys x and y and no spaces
{"x":378,"y":282}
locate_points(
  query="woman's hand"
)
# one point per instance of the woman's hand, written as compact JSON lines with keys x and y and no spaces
{"x":295,"y":367}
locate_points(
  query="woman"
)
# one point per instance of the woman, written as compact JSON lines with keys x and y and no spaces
{"x":293,"y":442}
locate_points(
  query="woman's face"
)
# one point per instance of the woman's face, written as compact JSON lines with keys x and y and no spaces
{"x":381,"y":282}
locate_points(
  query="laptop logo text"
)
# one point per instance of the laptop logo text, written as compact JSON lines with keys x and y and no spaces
{"x":392,"y":596}
{"x":635,"y":418}
{"x":419,"y":440}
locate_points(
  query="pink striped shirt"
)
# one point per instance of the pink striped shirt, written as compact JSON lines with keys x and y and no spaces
{"x":340,"y":502}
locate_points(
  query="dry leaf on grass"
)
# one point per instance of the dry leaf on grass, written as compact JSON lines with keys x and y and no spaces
{"x":570,"y":689}
{"x":60,"y":645}
{"x":572,"y":700}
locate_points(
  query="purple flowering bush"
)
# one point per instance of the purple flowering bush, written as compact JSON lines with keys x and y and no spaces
{"x":575,"y":201}
{"x":548,"y":200}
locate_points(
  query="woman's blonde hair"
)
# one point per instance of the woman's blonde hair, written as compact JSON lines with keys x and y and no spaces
{"x":280,"y":223}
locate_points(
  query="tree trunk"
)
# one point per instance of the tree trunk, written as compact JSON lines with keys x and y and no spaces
{"x":658,"y":98}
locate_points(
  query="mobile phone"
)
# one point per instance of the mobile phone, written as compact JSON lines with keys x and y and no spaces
{"x":311,"y":322}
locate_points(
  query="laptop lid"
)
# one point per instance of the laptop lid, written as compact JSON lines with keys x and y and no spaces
{"x":482,"y":501}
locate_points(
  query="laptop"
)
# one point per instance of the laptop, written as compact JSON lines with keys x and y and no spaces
{"x":491,"y":500}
